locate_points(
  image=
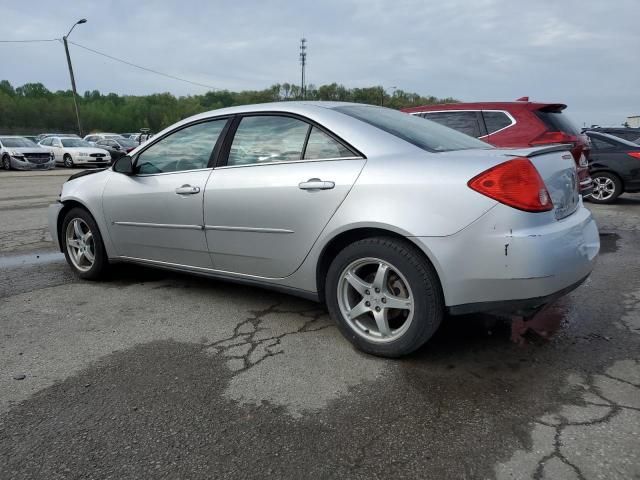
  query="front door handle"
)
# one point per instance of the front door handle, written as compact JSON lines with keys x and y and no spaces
{"x":316,"y":184}
{"x":187,"y":190}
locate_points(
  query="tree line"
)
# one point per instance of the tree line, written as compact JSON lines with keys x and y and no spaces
{"x":32,"y":108}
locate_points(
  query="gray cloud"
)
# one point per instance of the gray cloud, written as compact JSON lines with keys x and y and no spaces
{"x":578,"y":52}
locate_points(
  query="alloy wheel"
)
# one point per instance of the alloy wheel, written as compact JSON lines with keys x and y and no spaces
{"x":6,"y":163}
{"x":80,"y":244}
{"x":68,"y":162}
{"x":604,"y":188}
{"x":375,"y":299}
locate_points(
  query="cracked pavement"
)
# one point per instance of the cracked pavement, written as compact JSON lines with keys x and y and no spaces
{"x":159,"y":375}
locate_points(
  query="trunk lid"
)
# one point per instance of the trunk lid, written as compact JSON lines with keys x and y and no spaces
{"x":556,"y":166}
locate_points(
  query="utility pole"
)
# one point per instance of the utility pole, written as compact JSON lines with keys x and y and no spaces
{"x":73,"y":80}
{"x":303,"y":63}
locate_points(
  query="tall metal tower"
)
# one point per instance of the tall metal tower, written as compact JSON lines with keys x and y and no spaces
{"x":303,"y":63}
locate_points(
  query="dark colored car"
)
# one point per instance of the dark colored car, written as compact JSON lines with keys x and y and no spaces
{"x":614,"y":165}
{"x":117,"y":147}
{"x":515,"y":124}
{"x":630,"y":134}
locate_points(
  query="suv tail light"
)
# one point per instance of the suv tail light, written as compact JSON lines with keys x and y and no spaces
{"x":635,"y":155}
{"x":554,"y":137}
{"x":515,"y":183}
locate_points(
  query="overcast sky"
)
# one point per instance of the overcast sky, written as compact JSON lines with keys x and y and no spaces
{"x":582,"y":53}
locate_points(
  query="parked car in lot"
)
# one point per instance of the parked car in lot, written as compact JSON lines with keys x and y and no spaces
{"x":20,"y":153}
{"x":72,"y":152}
{"x":95,"y":137}
{"x":42,"y":136}
{"x":117,"y":147}
{"x":390,"y":220}
{"x":630,"y":134}
{"x":514,"y":124}
{"x":614,"y":165}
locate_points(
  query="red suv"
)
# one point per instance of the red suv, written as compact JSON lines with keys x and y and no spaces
{"x":515,"y":124}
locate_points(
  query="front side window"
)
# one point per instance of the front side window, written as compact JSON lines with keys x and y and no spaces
{"x":189,"y":148}
{"x":74,"y":143}
{"x":320,"y":145}
{"x":495,"y":121}
{"x":465,"y":122}
{"x":268,"y":138}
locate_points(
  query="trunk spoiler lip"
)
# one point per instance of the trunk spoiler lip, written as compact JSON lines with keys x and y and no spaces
{"x":536,"y":151}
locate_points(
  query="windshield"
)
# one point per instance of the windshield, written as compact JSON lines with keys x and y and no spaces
{"x":420,"y":132}
{"x":17,"y":142}
{"x":125,"y":142}
{"x":74,"y":142}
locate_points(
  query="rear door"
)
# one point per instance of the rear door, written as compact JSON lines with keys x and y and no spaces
{"x":282,"y":180}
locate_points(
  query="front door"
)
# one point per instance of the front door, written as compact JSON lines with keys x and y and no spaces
{"x":282,"y":182}
{"x":156,"y":214}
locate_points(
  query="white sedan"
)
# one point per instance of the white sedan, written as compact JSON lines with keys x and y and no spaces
{"x":71,"y":151}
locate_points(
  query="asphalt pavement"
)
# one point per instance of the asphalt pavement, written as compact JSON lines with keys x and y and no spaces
{"x":152,"y":374}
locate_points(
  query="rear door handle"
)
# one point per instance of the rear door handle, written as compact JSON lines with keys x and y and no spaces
{"x":187,"y":190}
{"x":316,"y":184}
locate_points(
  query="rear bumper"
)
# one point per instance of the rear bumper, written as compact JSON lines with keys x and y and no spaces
{"x":505,"y":262}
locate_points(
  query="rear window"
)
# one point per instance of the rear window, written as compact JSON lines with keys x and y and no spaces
{"x":422,"y":133}
{"x":557,"y":122}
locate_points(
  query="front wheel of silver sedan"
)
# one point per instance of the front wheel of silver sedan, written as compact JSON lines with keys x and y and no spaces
{"x":384,"y":296}
{"x":82,"y":245}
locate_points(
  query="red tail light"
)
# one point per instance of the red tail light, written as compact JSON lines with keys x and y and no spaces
{"x":516,"y":183}
{"x":635,"y":155}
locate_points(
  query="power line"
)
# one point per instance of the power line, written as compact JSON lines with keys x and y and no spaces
{"x":142,"y":68}
{"x":30,"y":41}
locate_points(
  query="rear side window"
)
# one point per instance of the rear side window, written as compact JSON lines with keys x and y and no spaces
{"x":320,"y":145}
{"x":495,"y":121}
{"x":600,"y":144}
{"x":465,"y":122}
{"x":266,"y":139}
{"x":557,"y":122}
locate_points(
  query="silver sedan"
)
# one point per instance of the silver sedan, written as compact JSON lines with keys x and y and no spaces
{"x":391,"y":220}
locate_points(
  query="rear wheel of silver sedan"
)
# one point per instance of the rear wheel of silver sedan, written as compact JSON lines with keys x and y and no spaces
{"x":82,"y":245}
{"x":384,"y":296}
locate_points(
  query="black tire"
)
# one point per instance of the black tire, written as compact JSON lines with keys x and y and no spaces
{"x":67,"y":160}
{"x":604,"y":197}
{"x":423,"y":282}
{"x":100,"y":264}
{"x":6,"y":162}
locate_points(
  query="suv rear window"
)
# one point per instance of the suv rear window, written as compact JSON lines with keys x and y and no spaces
{"x":422,"y":133}
{"x":557,"y":122}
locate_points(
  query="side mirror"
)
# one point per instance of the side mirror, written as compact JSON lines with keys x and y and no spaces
{"x":124,"y":165}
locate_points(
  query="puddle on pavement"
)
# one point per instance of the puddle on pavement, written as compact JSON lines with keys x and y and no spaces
{"x":609,"y":242}
{"x":37,"y":258}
